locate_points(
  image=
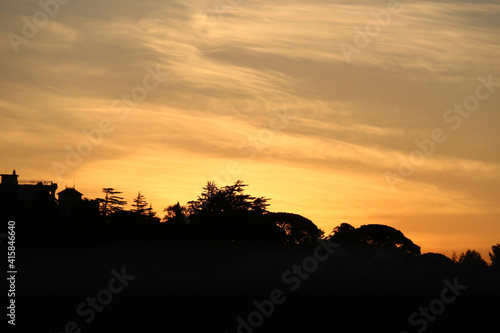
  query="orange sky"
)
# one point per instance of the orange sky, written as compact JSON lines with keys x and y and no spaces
{"x":296,"y":99}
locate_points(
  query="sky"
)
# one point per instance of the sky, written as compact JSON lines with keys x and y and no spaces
{"x":342,"y":111}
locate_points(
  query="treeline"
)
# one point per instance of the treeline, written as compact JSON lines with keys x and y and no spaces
{"x":203,"y":265}
{"x":221,"y":216}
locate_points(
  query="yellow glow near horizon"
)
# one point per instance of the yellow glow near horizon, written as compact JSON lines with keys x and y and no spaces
{"x":256,"y":96}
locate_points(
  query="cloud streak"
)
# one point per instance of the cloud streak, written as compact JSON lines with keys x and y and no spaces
{"x":352,"y":121}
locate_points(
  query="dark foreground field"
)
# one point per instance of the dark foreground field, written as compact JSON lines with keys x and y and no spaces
{"x":196,"y":289}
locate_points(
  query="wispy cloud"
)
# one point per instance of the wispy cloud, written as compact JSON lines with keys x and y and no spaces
{"x":352,"y":121}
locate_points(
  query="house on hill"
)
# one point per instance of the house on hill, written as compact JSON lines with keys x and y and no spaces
{"x":68,"y":199}
{"x":25,"y":192}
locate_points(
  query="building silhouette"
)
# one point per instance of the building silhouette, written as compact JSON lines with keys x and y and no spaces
{"x":69,"y":198}
{"x":14,"y":192}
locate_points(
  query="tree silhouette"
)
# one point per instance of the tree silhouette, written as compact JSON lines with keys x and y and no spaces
{"x":111,"y":203}
{"x":203,"y":200}
{"x":343,"y":233}
{"x":230,"y":198}
{"x":176,"y":221}
{"x":174,"y":212}
{"x":229,"y":215}
{"x":374,"y":235}
{"x":151,"y":214}
{"x":385,"y":236}
{"x":495,"y":255}
{"x":298,"y":229}
{"x":471,"y":258}
{"x":454,"y":257}
{"x":140,"y":204}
